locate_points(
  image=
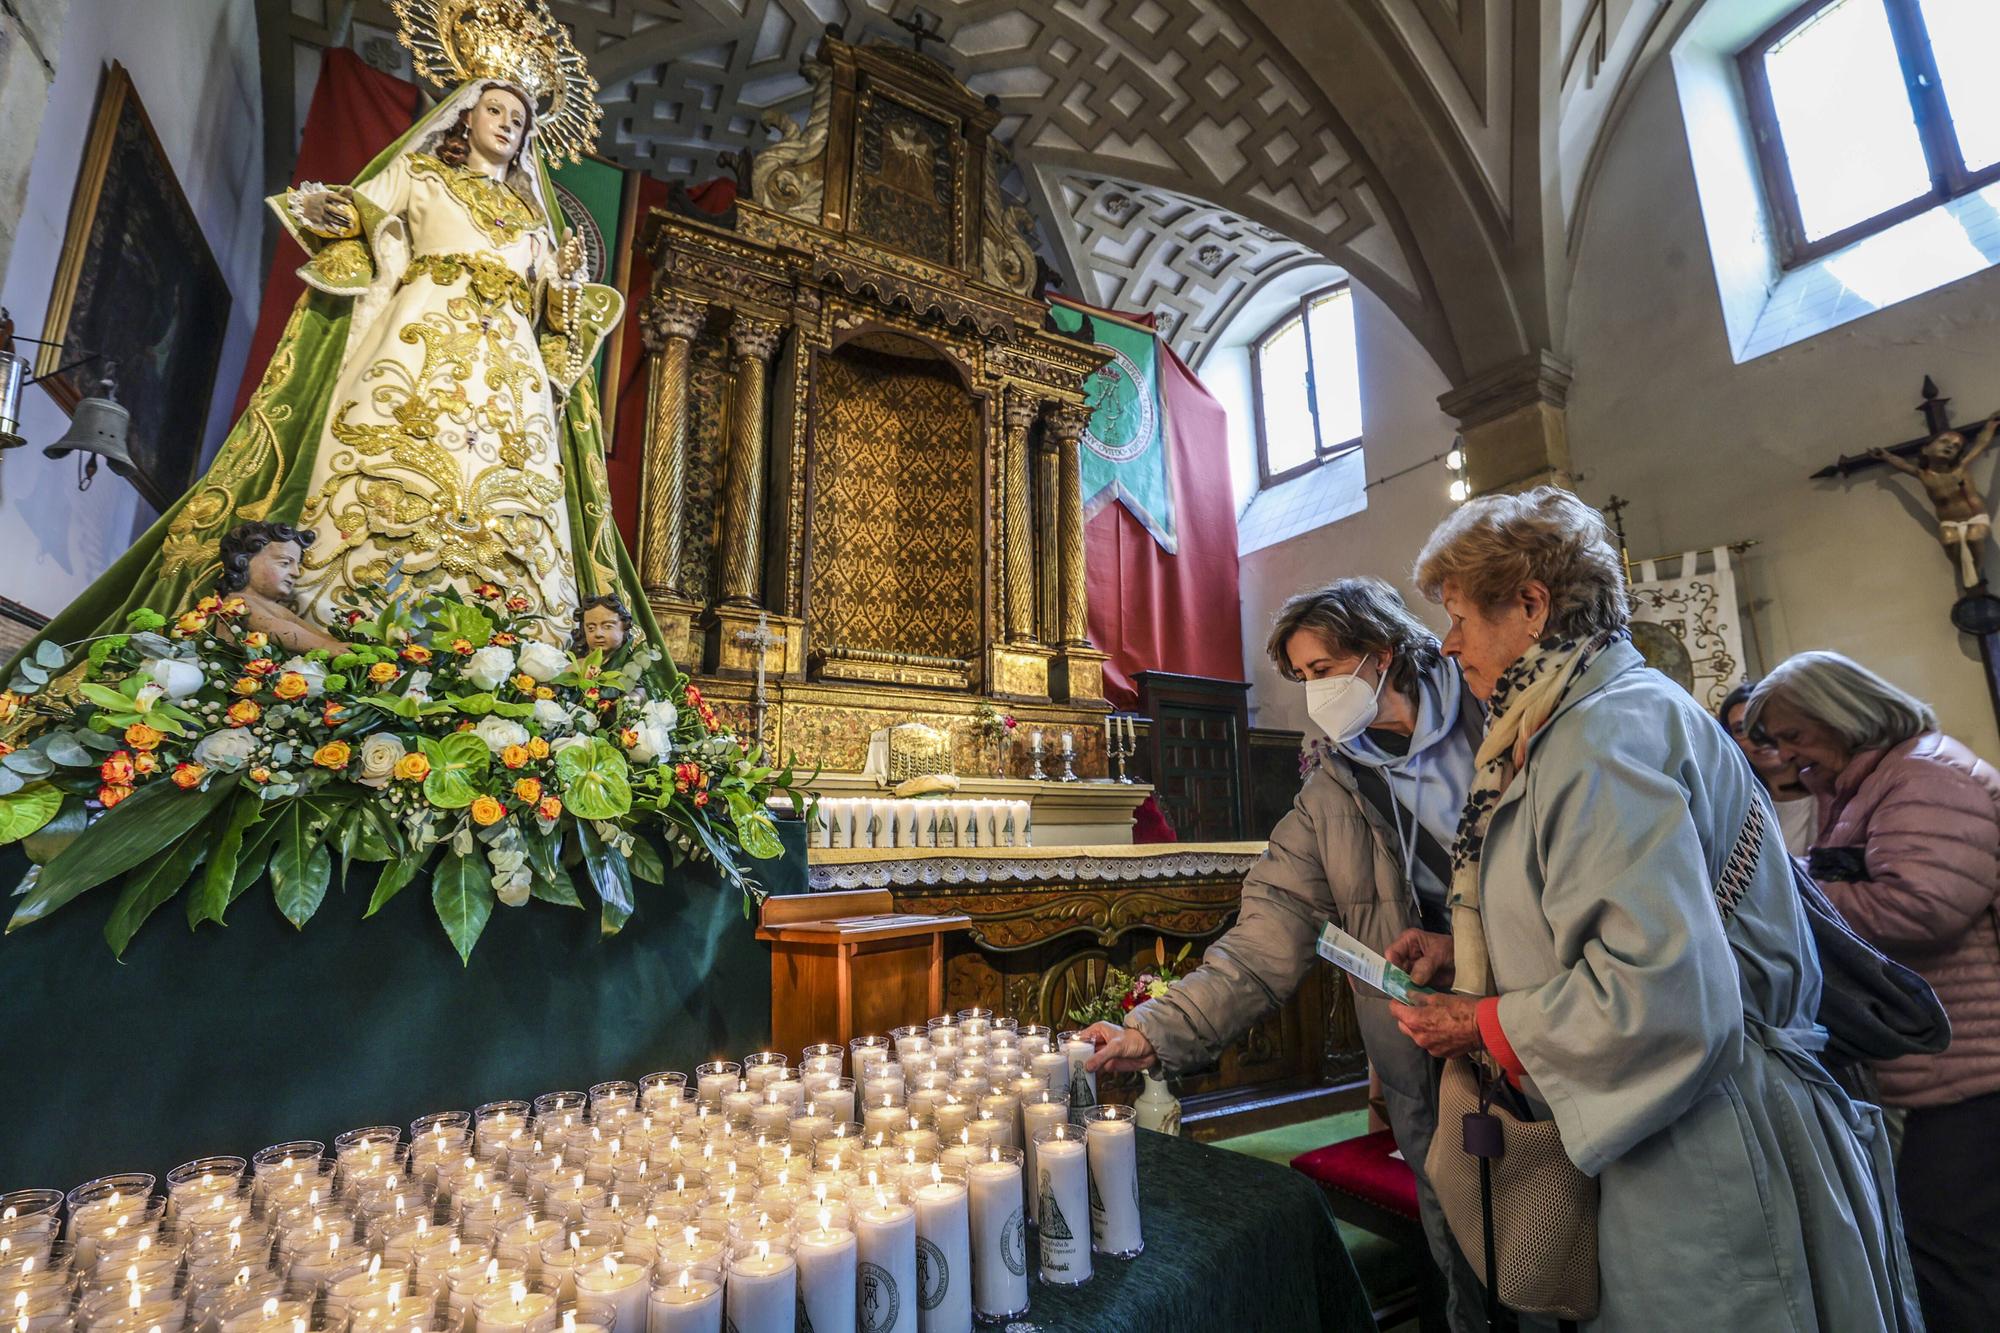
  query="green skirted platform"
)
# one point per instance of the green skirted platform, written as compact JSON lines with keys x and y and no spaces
{"x":1232,"y":1243}
{"x":226,"y":1040}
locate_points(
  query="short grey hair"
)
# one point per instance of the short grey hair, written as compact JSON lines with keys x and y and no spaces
{"x":1864,"y":710}
{"x":1494,"y":546}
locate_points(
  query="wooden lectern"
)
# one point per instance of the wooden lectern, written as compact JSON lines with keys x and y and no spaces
{"x":846,"y":964}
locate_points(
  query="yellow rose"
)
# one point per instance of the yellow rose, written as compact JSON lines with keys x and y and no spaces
{"x":191,"y":622}
{"x":528,"y":790}
{"x":243,"y":712}
{"x":142,"y":737}
{"x":513,"y":756}
{"x":260,"y":775}
{"x":544,"y":692}
{"x":189,"y":776}
{"x":524,"y":683}
{"x":538,"y":748}
{"x":256,"y":638}
{"x":413,"y":767}
{"x":247,"y":685}
{"x":145,"y":764}
{"x":291,"y":685}
{"x":486,"y":810}
{"x":381,"y":673}
{"x":549,"y":807}
{"x":334,"y":754}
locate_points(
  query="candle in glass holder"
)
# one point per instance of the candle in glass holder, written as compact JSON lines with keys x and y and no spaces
{"x":950,"y":1117}
{"x":687,"y":1301}
{"x":1062,"y":1193}
{"x":763,"y":1290}
{"x":1039,"y":1111}
{"x":270,"y":1316}
{"x":1113,"y":1141}
{"x":769,"y":1117}
{"x":836,"y":1100}
{"x":515,"y":1310}
{"x":739,"y":1102}
{"x":886,"y":1285}
{"x":865,"y":1053}
{"x":826,"y":1258}
{"x":912,"y":1039}
{"x":1005,"y":1108}
{"x":563,"y":1257}
{"x":989,"y":1128}
{"x":1031,"y":1039}
{"x":944,"y":1254}
{"x":761,"y":1068}
{"x":1078,"y":1048}
{"x":689,"y":1248}
{"x":999,"y":1240}
{"x":884,"y":1117}
{"x":915,"y":1137}
{"x":520,"y":1243}
{"x":463,"y":1293}
{"x":618,"y":1281}
{"x":714,"y":1079}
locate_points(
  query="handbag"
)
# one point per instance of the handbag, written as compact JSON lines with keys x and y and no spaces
{"x":1513,"y":1199}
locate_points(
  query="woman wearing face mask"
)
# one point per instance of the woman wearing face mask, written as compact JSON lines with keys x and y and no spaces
{"x":1364,"y":845}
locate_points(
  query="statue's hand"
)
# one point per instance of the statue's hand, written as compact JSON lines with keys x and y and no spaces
{"x":328,"y":211}
{"x":570,"y":259}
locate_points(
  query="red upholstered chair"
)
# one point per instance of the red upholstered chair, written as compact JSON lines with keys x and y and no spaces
{"x":1370,"y":1188}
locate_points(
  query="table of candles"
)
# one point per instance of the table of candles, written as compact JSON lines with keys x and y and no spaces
{"x":899,"y":1184}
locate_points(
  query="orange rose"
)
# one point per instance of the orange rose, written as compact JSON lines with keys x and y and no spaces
{"x":260,"y":774}
{"x":334,"y":754}
{"x":525,"y":683}
{"x":538,"y":748}
{"x":291,"y":685}
{"x":417,"y":653}
{"x":463,"y":647}
{"x":517,"y":603}
{"x":10,"y":704}
{"x":486,"y":810}
{"x":191,"y":622}
{"x":117,"y":771}
{"x":627,"y":737}
{"x":234,"y":606}
{"x":142,"y":737}
{"x":504,"y":639}
{"x":330,"y":715}
{"x":701,"y":798}
{"x":110,"y":796}
{"x":413,"y":767}
{"x":144,"y":764}
{"x":188,"y":776}
{"x":382,"y":673}
{"x":247,"y":685}
{"x":207,"y":605}
{"x":528,"y":790}
{"x":243,"y":712}
{"x":513,"y":756}
{"x":487,"y":590}
{"x":261,"y":666}
{"x":549,"y":807}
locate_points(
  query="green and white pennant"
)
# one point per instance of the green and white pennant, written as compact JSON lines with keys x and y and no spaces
{"x":1125,"y":442}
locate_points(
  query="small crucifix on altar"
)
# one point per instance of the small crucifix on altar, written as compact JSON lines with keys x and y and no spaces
{"x":1943,"y":465}
{"x":923,"y":26}
{"x":762,"y":639}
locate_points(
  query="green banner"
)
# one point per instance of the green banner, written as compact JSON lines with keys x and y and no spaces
{"x":1125,"y":444}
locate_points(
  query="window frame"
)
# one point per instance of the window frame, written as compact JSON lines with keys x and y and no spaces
{"x":1945,"y":159}
{"x":1322,"y":451}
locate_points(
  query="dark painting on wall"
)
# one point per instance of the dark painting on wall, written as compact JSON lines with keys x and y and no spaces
{"x":138,"y":288}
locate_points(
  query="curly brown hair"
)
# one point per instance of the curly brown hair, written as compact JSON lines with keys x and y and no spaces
{"x":456,"y":146}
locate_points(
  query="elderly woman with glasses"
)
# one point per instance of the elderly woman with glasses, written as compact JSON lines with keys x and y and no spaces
{"x":1908,"y":849}
{"x":1671,"y":1044}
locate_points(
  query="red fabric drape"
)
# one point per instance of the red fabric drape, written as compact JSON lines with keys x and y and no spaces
{"x":628,"y":444}
{"x":356,"y":112}
{"x":1157,"y":612}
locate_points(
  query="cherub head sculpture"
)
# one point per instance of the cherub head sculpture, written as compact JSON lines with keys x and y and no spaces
{"x":263,"y":558}
{"x":603,"y":624}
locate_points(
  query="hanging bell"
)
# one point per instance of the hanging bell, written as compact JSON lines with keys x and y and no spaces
{"x":99,"y":426}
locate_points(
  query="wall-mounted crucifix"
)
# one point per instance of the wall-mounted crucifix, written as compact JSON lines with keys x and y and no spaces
{"x":1941,"y":461}
{"x":923,"y":26}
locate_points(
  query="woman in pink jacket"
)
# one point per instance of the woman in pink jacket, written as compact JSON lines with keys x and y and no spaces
{"x":1909,"y":849}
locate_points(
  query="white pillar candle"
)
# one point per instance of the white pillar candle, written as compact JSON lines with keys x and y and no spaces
{"x":826,"y":1259}
{"x":770,"y":1118}
{"x":1038,"y":1113}
{"x":1062,"y":1191}
{"x":740,"y":1101}
{"x":949,"y":1118}
{"x":617,"y":1281}
{"x":836,"y":1100}
{"x":944,"y":1256}
{"x":1114,"y":1182}
{"x":883,"y":1118}
{"x":999,"y":1240}
{"x":1082,"y":1082}
{"x":913,"y":1138}
{"x":1052,"y":1067}
{"x":516,"y":1310}
{"x":763,"y":1290}
{"x":690,"y":1249}
{"x":713,"y":1080}
{"x":886,"y":1284}
{"x":690,"y":1303}
{"x":883,"y":1085}
{"x":787,"y":1090}
{"x":806,"y":1130}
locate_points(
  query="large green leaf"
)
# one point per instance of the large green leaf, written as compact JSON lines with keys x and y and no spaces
{"x":610,"y":875}
{"x":301,"y":865}
{"x":363,"y":836}
{"x":150,"y":886}
{"x":150,"y":819}
{"x":67,"y":750}
{"x":43,"y":845}
{"x":462,"y":893}
{"x":456,"y":620}
{"x":211,"y":895}
{"x":395,"y":877}
{"x":646,"y":863}
{"x":596,"y":783}
{"x":256,"y":858}
{"x":759,"y":836}
{"x":457,"y":761}
{"x":552,"y":882}
{"x":27,"y":810}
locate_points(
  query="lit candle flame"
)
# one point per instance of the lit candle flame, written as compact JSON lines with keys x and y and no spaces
{"x":611,"y":1265}
{"x":684,"y":1279}
{"x":519,"y":1291}
{"x":937,"y":1174}
{"x":492,"y":1270}
{"x":687,"y":1236}
{"x":569,"y":1321}
{"x":763,"y":1249}
{"x":825,"y":1216}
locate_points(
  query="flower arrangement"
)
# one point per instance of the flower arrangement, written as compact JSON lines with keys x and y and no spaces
{"x":993,"y":725}
{"x":1124,"y":991}
{"x":446,"y":739}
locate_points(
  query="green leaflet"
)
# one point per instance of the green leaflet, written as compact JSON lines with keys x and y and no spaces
{"x":463,"y":896}
{"x":456,"y":760}
{"x":257,"y":844}
{"x":610,"y":875}
{"x":301,"y":865}
{"x":552,"y":882}
{"x":758,"y":835}
{"x":150,"y":886}
{"x":211,"y":896}
{"x":150,"y":818}
{"x":595,"y":781}
{"x":43,"y":844}
{"x":395,"y":877}
{"x":27,"y":810}
{"x":646,"y":863}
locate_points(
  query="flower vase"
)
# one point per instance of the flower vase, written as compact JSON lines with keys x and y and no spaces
{"x":997,"y":749}
{"x":1157,"y":1107}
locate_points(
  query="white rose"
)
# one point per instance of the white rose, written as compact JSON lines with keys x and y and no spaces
{"x":489,"y":666}
{"x":314,"y":673}
{"x":379,"y":754}
{"x":179,"y":679}
{"x":543,"y":661}
{"x":549,"y":713}
{"x":646,"y":748}
{"x":558,"y":746}
{"x":419,"y":686}
{"x":499,"y":732}
{"x":662,"y":713}
{"x":227,"y":750}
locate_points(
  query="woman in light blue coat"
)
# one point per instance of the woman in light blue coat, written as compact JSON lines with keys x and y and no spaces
{"x":1739,"y":1187}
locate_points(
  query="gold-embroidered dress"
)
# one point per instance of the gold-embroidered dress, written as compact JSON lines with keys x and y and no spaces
{"x":440,"y":446}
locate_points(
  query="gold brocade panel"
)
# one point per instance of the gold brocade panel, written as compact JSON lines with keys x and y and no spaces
{"x":905,"y":185}
{"x":895,"y":523}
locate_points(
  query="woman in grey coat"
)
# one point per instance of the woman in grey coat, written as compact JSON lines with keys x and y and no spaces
{"x":1739,"y":1187}
{"x":1363,"y":846}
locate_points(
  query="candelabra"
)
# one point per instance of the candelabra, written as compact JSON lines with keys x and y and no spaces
{"x":1068,"y":761}
{"x":1121,"y":746}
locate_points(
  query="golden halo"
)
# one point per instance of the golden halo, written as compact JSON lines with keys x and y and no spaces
{"x":513,"y":41}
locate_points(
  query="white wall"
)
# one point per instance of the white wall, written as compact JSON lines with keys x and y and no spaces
{"x":1401,"y":423}
{"x":1710,"y":451}
{"x":194,"y":63}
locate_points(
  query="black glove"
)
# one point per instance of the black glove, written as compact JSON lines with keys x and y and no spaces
{"x":1838,"y":864}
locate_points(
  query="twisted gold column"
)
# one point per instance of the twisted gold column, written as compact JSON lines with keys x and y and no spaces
{"x":671,"y":323}
{"x":1022,"y":408}
{"x":753,"y":341}
{"x":1067,"y":427}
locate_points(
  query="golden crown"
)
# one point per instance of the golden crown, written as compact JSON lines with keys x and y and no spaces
{"x":511,"y":41}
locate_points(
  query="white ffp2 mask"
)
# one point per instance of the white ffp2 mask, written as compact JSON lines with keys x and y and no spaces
{"x":1343,"y":706}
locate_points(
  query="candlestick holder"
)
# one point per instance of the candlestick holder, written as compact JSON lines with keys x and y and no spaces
{"x":1035,"y":752}
{"x":1121,"y":746}
{"x":1068,"y":767}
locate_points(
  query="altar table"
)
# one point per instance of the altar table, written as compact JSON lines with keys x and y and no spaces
{"x":1232,"y":1242}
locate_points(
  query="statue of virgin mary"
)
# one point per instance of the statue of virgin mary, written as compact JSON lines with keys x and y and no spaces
{"x":431,"y":405}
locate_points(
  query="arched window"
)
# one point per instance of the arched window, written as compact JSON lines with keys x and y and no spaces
{"x":1867,"y":112}
{"x":1306,"y":384}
